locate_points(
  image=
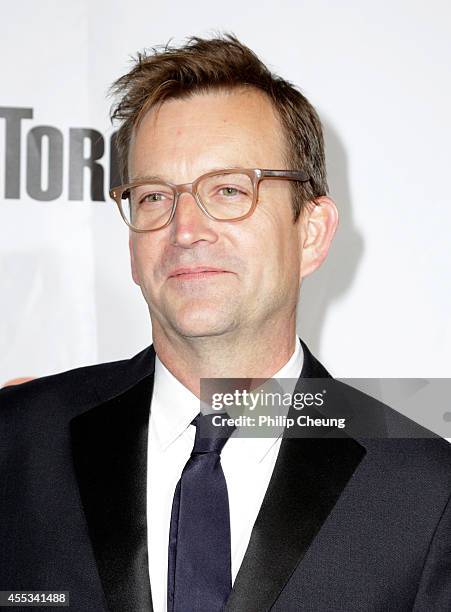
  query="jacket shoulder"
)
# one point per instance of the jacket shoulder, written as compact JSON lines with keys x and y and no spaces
{"x":78,"y":387}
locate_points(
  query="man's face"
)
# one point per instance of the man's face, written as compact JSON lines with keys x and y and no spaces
{"x":257,"y":260}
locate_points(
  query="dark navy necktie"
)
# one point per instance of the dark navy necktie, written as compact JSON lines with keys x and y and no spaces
{"x":199,"y":564}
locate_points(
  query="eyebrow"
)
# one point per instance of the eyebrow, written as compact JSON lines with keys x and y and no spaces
{"x":146,"y":177}
{"x":155,"y":177}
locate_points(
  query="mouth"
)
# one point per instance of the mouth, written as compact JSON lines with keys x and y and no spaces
{"x":196,"y":273}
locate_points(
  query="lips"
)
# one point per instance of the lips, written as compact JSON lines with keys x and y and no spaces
{"x":195,"y":272}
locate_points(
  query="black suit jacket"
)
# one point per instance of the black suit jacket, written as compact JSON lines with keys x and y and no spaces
{"x":346,"y":525}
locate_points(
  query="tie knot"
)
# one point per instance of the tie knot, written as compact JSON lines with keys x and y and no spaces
{"x":211,"y":435}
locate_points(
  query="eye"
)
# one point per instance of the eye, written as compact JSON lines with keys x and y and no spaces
{"x":154,"y":196}
{"x":229,"y":191}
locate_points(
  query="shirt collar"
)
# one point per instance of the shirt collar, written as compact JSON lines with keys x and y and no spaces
{"x":174,"y":406}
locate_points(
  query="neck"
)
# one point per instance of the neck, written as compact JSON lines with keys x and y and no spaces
{"x":229,"y":355}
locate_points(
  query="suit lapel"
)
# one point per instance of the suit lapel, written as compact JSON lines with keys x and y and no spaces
{"x":109,"y":444}
{"x":308,"y":478}
{"x":110,"y":457}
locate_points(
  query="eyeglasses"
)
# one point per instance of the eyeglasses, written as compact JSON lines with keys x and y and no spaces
{"x":149,"y":204}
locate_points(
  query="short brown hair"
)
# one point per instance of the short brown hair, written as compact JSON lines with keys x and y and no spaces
{"x":224,"y":62}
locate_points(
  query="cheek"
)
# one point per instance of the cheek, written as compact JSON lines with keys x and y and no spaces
{"x":271,"y":255}
{"x":280,"y":240}
{"x":287,"y":255}
{"x":143,"y":259}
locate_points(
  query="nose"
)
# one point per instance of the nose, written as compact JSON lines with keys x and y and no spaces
{"x":190,"y":225}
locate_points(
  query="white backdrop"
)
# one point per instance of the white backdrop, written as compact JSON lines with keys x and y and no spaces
{"x":379,"y":75}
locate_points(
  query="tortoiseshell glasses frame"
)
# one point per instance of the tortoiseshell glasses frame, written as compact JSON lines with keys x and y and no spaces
{"x":121,"y":193}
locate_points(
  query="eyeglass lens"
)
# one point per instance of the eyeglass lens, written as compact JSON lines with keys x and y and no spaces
{"x":224,"y":196}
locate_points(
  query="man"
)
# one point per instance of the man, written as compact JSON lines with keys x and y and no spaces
{"x":224,"y":190}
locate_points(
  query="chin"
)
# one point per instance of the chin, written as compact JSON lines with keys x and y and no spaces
{"x":196,"y":323}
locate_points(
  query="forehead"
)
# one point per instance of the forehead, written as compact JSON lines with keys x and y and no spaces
{"x":219,"y":129}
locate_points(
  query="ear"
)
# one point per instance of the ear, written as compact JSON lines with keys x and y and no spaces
{"x":132,"y":260}
{"x":319,"y":226}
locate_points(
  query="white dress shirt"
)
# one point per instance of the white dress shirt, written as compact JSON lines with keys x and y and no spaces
{"x":247,"y":464}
